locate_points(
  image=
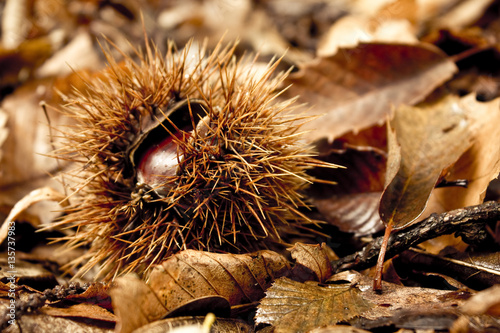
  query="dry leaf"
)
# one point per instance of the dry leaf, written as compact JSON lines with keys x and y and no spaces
{"x":423,"y":141}
{"x":196,"y":325}
{"x":33,"y":197}
{"x":352,"y":203}
{"x":480,"y":164}
{"x":390,"y":24}
{"x":404,"y":306}
{"x":477,"y":270}
{"x":135,"y":304}
{"x":338,"y":329}
{"x":484,"y":302}
{"x":46,"y":323}
{"x":239,"y":278}
{"x":292,"y":306}
{"x":83,"y":310}
{"x":314,"y":258}
{"x":355,"y":88}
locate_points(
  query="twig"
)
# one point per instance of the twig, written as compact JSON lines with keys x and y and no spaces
{"x":465,"y":222}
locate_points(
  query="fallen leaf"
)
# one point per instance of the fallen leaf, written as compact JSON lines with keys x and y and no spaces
{"x":480,"y":163}
{"x":239,"y":278}
{"x":355,"y":88}
{"x":390,"y":24}
{"x":33,"y":197}
{"x":46,"y":323}
{"x":462,"y":15}
{"x":338,"y":329}
{"x":477,"y":270}
{"x":403,"y":306}
{"x":196,"y":325}
{"x":134,"y":304}
{"x":314,"y":258}
{"x":83,"y":310}
{"x":428,"y":140}
{"x":292,"y":306}
{"x":352,"y":203}
{"x":484,"y":302}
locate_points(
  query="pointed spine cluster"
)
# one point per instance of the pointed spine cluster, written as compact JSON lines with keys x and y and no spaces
{"x":241,"y":164}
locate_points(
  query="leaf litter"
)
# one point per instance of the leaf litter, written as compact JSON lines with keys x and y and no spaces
{"x":401,"y":92}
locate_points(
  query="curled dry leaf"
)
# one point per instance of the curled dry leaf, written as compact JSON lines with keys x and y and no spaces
{"x":239,"y":278}
{"x":390,"y":24}
{"x":355,"y":88}
{"x":299,"y":307}
{"x":480,"y":164}
{"x":314,"y":258}
{"x":129,"y":293}
{"x":41,"y":194}
{"x":477,"y":270}
{"x":423,"y":141}
{"x":484,"y":302}
{"x":351,"y":204}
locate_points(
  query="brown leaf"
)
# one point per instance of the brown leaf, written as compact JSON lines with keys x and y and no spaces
{"x":390,"y":24}
{"x":402,"y":305}
{"x":41,"y":194}
{"x":40,"y":322}
{"x":83,"y":310}
{"x":338,"y":329}
{"x":480,"y":163}
{"x":196,"y":325}
{"x":299,"y":307}
{"x":313,"y":257}
{"x":477,"y":270}
{"x":239,"y":278}
{"x":484,"y":302}
{"x":423,"y":141}
{"x":97,"y":293}
{"x":355,"y":88}
{"x":352,"y":203}
{"x":135,"y":304}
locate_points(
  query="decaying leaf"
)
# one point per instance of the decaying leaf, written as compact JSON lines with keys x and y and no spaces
{"x":352,"y":203}
{"x":478,"y":270}
{"x":239,"y":278}
{"x":390,"y":24}
{"x":47,"y":323}
{"x":315,"y":258}
{"x":33,"y":197}
{"x":403,"y":306}
{"x":480,"y":163}
{"x":355,"y":88}
{"x":428,"y":140}
{"x":83,"y":310}
{"x":292,"y":306}
{"x":196,"y":325}
{"x":129,"y":293}
{"x":484,"y":302}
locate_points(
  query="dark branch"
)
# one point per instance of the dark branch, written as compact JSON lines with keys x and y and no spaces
{"x":468,"y":222}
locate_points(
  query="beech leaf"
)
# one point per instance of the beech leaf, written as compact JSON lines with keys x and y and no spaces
{"x":423,"y":141}
{"x":239,"y":278}
{"x":355,"y":88}
{"x":352,"y":203}
{"x":134,"y":303}
{"x":300,"y":307}
{"x":314,"y":258}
